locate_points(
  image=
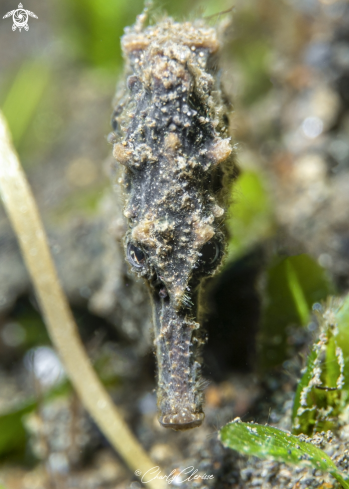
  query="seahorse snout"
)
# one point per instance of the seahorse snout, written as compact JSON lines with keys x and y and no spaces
{"x":182,"y":420}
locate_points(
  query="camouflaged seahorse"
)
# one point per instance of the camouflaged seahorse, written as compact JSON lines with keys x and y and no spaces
{"x":171,"y":138}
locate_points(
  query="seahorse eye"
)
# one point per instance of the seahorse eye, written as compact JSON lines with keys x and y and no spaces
{"x":135,"y":256}
{"x":114,"y":124}
{"x":209,"y":253}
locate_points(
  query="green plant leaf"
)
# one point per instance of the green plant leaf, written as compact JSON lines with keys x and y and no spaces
{"x":342,"y":316}
{"x":304,"y":425}
{"x":322,"y":393}
{"x":268,"y":442}
{"x":297,"y":292}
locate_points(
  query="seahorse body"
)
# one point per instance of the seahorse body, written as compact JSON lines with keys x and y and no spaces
{"x":171,"y":138}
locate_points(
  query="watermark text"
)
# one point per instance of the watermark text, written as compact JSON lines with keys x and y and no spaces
{"x":176,"y":477}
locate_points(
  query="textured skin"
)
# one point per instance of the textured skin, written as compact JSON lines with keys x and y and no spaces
{"x":171,"y":139}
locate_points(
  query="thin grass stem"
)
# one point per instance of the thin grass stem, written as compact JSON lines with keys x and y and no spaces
{"x":24,"y":216}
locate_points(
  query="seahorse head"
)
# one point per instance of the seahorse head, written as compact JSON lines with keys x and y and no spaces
{"x":172,"y":142}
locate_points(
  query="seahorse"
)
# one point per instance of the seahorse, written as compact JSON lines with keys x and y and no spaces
{"x":171,"y":139}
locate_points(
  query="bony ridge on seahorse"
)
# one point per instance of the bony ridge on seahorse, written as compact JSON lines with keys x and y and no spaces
{"x":172,"y":142}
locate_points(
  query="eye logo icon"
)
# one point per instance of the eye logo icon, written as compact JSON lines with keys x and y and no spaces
{"x":20,"y":18}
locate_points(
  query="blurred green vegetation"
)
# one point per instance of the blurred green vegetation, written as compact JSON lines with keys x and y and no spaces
{"x":24,"y":96}
{"x":84,"y":203}
{"x":23,"y":93}
{"x":93,"y":29}
{"x":252,"y":57}
{"x":292,"y":286}
{"x":30,"y":322}
{"x":89,"y":32}
{"x":251,"y":218}
{"x":13,"y":435}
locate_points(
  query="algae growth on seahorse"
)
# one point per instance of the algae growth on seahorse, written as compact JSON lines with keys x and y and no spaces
{"x":172,"y":142}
